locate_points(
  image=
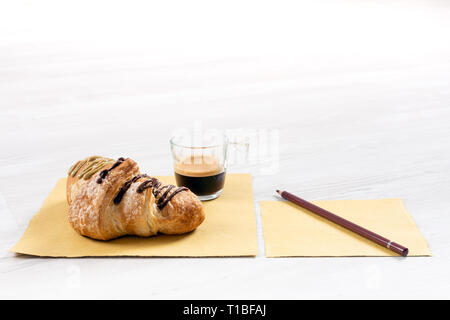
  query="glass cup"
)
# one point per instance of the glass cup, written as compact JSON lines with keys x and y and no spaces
{"x":200,"y":161}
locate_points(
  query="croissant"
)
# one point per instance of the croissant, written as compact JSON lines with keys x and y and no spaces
{"x":109,"y":199}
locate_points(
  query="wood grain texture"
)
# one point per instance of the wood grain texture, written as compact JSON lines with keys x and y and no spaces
{"x":359,"y":94}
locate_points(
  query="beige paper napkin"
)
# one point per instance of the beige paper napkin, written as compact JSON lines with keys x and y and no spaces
{"x":228,"y":230}
{"x":290,"y":230}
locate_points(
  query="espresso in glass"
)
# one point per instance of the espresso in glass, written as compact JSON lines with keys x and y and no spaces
{"x":200,"y":161}
{"x":204,"y":175}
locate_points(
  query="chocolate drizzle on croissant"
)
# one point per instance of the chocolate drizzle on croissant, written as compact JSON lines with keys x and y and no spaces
{"x":126,"y":186}
{"x":164,"y":200}
{"x":158,"y":188}
{"x":105,"y":172}
{"x":156,"y":191}
{"x":151,"y":183}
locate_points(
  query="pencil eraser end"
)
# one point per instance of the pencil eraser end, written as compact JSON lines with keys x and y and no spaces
{"x":405,"y":252}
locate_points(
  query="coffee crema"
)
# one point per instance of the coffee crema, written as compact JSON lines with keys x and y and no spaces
{"x":203,"y":175}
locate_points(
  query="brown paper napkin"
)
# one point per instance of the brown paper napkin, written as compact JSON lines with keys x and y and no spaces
{"x":229,"y":229}
{"x":290,"y":230}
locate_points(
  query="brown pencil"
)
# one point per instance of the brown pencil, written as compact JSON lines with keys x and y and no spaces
{"x":397,"y":248}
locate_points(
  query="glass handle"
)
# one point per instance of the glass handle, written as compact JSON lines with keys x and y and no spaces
{"x":237,"y":154}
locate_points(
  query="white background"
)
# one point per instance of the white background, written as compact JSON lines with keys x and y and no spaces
{"x":358,"y":91}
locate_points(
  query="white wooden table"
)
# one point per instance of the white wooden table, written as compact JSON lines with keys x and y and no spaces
{"x":359,"y":93}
